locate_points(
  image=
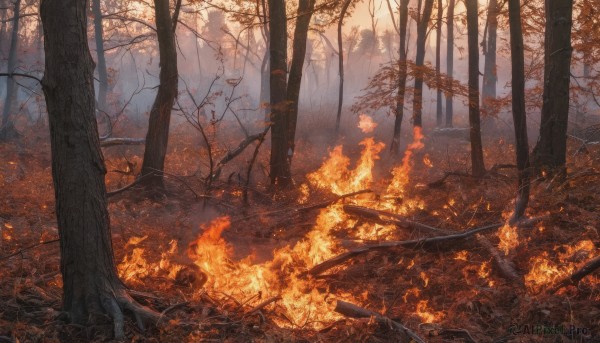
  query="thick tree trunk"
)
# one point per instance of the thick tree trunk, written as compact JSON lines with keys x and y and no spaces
{"x":518,"y":107}
{"x":157,"y":137}
{"x":551,"y":149}
{"x":477,"y":163}
{"x":490,"y":75}
{"x":101,"y":64}
{"x":91,"y":288}
{"x":280,"y":164}
{"x":422,"y":26}
{"x":438,"y":60}
{"x":305,"y":11}
{"x":7,"y":129}
{"x":402,"y":73}
{"x":338,"y":118}
{"x":265,"y":78}
{"x":450,"y":62}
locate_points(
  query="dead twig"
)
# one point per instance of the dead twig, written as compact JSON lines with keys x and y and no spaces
{"x":263,"y":305}
{"x":353,"y":311}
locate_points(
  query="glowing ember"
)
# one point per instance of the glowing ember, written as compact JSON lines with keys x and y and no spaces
{"x":509,"y":238}
{"x":366,"y":123}
{"x":544,"y":272}
{"x":462,"y":255}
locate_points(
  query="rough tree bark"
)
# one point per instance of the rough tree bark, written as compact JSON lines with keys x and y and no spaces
{"x":477,"y":164}
{"x":422,"y":25}
{"x":157,"y":137}
{"x":100,"y":57}
{"x":7,"y":129}
{"x":402,"y":73}
{"x":305,"y":11}
{"x":518,"y":107}
{"x":438,"y":60}
{"x":549,"y":154}
{"x":338,"y":118}
{"x":91,"y":288}
{"x":490,"y":77}
{"x":450,"y":62}
{"x":280,"y":164}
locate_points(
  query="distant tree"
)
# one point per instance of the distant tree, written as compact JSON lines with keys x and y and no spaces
{"x":100,"y":55}
{"x":518,"y":107}
{"x":550,"y":152}
{"x":91,"y":288}
{"x":279,"y":163}
{"x":343,"y":12}
{"x":438,"y":60}
{"x":422,"y":26}
{"x":490,"y":77}
{"x":157,"y":137}
{"x":299,"y":45}
{"x":477,"y":163}
{"x":402,"y":74}
{"x":7,"y":129}
{"x":450,"y":61}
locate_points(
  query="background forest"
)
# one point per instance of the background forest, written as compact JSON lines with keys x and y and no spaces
{"x":307,"y":170}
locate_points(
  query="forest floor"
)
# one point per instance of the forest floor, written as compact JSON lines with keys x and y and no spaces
{"x":448,"y":292}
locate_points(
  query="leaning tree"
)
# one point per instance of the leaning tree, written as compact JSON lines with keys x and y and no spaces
{"x":91,"y":288}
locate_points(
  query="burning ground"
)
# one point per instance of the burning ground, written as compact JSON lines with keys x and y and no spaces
{"x":416,"y":257}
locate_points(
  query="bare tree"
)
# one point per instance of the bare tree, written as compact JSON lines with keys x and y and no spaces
{"x":518,"y":107}
{"x":550,"y":152}
{"x":157,"y":137}
{"x":91,"y":288}
{"x":7,"y":129}
{"x":450,"y":61}
{"x":305,"y":11}
{"x":402,"y":74}
{"x":438,"y":58}
{"x":477,"y":163}
{"x":280,"y":163}
{"x":100,"y":56}
{"x":341,"y":63}
{"x":422,"y":25}
{"x":490,"y":77}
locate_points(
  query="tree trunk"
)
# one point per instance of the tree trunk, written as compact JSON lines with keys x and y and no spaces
{"x":91,"y":288}
{"x":490,"y":75}
{"x":477,"y":163}
{"x":551,"y":148}
{"x":518,"y":107}
{"x":403,"y":25}
{"x":157,"y":137}
{"x":305,"y":11}
{"x":338,"y":118}
{"x":101,"y":65}
{"x":7,"y":129}
{"x":438,"y":58}
{"x":450,"y":62}
{"x":280,"y":165}
{"x":422,"y":26}
{"x":265,"y":87}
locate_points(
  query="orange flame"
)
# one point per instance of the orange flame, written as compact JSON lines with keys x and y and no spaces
{"x":366,"y":124}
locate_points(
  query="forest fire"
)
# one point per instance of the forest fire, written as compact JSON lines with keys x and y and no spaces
{"x":299,"y":171}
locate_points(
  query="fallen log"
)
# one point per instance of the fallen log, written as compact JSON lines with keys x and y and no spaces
{"x":578,"y":275}
{"x":376,"y":215}
{"x":106,"y":142}
{"x":421,"y":243}
{"x":506,"y":267}
{"x":350,"y":310}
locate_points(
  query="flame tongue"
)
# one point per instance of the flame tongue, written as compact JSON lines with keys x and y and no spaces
{"x":366,"y":124}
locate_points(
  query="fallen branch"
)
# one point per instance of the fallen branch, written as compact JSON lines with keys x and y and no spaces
{"x":376,"y":215}
{"x":353,"y":311}
{"x":422,"y":243}
{"x":231,"y":154}
{"x":106,"y":142}
{"x":578,"y":275}
{"x":263,"y":305}
{"x":506,"y":267}
{"x":20,"y":251}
